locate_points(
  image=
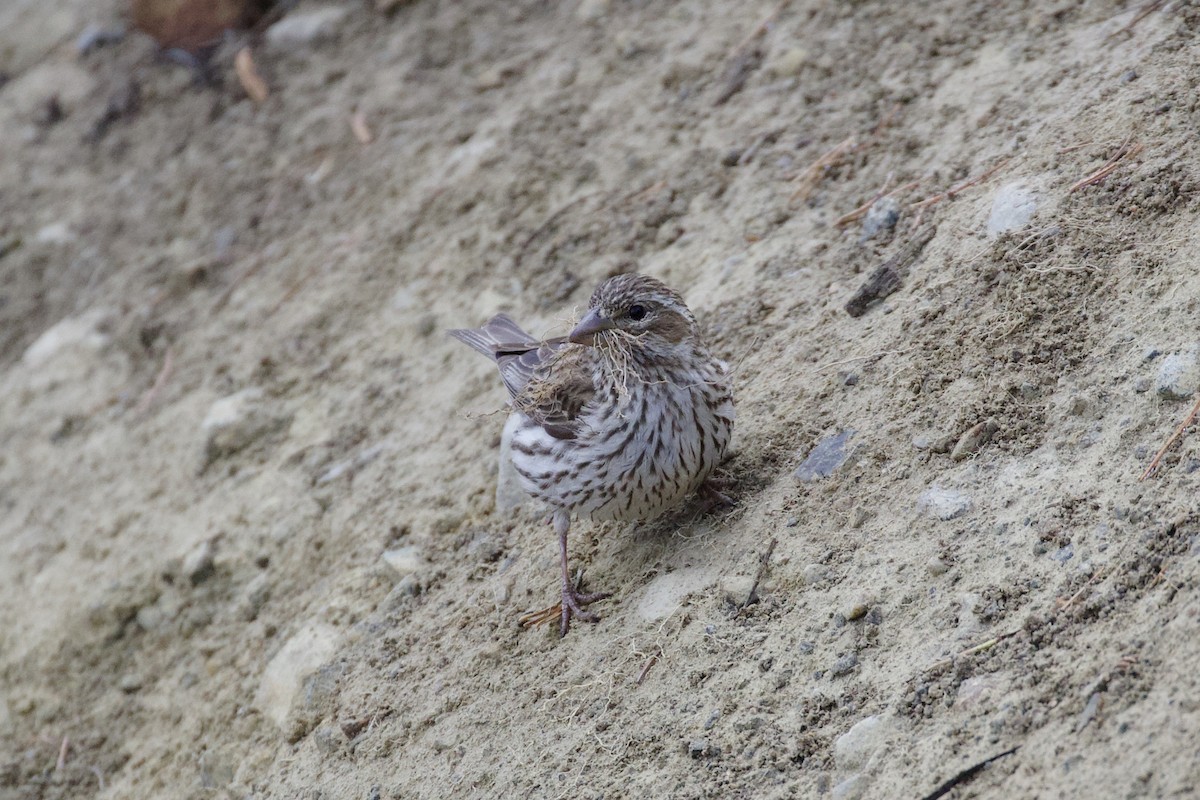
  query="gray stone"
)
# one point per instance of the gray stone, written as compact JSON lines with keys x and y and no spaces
{"x":1179,"y":375}
{"x":944,"y":504}
{"x":844,"y":665}
{"x":198,"y":565}
{"x":882,"y":215}
{"x":825,"y":457}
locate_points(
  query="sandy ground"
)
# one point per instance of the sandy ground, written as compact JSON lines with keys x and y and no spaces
{"x":250,"y":544}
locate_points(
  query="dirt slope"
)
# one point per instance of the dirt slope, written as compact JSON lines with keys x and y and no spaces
{"x":250,"y":540}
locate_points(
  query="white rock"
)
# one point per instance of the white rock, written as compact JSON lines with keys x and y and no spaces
{"x":663,"y":595}
{"x":854,"y":747}
{"x":405,"y":560}
{"x":851,"y":788}
{"x":592,"y":10}
{"x":509,"y":492}
{"x":233,"y":422}
{"x":73,"y":333}
{"x":1012,"y":208}
{"x":302,"y":655}
{"x":943,"y":503}
{"x":306,"y":27}
{"x":54,"y":233}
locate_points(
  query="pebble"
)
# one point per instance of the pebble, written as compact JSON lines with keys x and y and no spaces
{"x":405,"y":560}
{"x":592,"y":10}
{"x":509,"y":492}
{"x":697,"y":748}
{"x":668,"y":591}
{"x":73,"y":333}
{"x":855,"y":747}
{"x":806,"y":648}
{"x":1179,"y":375}
{"x":787,"y":62}
{"x":306,"y":27}
{"x":970,"y":442}
{"x":858,"y":611}
{"x":712,"y":719}
{"x":198,"y":565}
{"x":844,"y":665}
{"x":284,"y":676}
{"x":1063,"y":554}
{"x":825,"y":457}
{"x":815,"y":574}
{"x":236,"y":421}
{"x":407,"y":587}
{"x":130,"y":684}
{"x":937,"y":566}
{"x":735,"y":588}
{"x":1012,"y":208}
{"x":256,"y":595}
{"x":943,"y":504}
{"x":850,"y":788}
{"x":881,"y":216}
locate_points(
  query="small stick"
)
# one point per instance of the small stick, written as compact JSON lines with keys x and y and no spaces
{"x":764,"y":562}
{"x":1108,"y":168}
{"x":247,"y":73}
{"x":1188,"y":420}
{"x":1146,"y":11}
{"x":950,"y":193}
{"x":650,"y":662}
{"x":812,"y":174}
{"x":62,"y":755}
{"x":861,"y":211}
{"x":163,"y":374}
{"x":360,"y":128}
{"x":967,"y":774}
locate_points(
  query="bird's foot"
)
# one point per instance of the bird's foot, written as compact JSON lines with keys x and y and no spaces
{"x":711,"y":493}
{"x":572,"y":606}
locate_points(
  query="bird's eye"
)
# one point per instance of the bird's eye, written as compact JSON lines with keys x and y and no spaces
{"x":637,"y":312}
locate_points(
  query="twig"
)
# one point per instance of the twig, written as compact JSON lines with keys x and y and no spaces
{"x":967,"y":774}
{"x":359,"y":127}
{"x":1188,"y":420}
{"x":1146,"y":11}
{"x":249,"y":77}
{"x":764,"y":562}
{"x":812,"y":174}
{"x":650,"y":662}
{"x":887,"y":277}
{"x":861,"y":211}
{"x":159,"y":381}
{"x":973,"y":650}
{"x":61,"y":763}
{"x":1108,"y":168}
{"x":950,"y":193}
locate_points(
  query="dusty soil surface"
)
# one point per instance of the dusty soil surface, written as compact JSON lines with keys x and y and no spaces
{"x":250,"y":539}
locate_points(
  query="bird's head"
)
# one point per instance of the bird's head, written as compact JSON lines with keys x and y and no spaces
{"x":635,"y":312}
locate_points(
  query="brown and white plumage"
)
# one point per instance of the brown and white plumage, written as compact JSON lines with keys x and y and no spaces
{"x":621,"y":420}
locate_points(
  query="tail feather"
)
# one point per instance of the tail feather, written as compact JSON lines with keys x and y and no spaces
{"x":499,"y":336}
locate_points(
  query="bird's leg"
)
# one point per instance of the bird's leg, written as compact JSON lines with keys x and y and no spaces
{"x":573,"y":603}
{"x":712,"y":493}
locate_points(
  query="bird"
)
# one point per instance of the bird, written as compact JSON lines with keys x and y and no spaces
{"x":623,"y":419}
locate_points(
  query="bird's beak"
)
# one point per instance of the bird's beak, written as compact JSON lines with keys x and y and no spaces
{"x":595,"y":322}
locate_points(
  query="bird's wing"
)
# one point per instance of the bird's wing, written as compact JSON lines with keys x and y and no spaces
{"x":547,"y":381}
{"x":558,"y":388}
